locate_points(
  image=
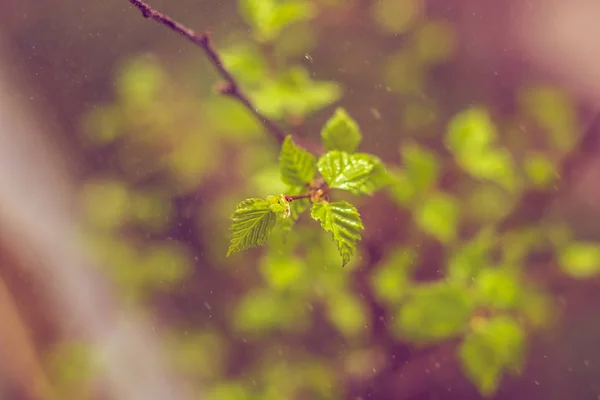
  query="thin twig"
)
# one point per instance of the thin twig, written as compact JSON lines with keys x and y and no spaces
{"x":231,"y":86}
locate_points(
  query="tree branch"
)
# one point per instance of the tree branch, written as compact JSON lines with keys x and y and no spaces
{"x":231,"y":86}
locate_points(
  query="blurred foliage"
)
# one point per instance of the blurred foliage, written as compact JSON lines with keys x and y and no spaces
{"x":286,"y":321}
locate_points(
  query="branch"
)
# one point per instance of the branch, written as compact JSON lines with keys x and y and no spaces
{"x":231,"y":86}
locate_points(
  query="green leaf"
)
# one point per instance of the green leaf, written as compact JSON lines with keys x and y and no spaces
{"x":498,"y":288}
{"x":245,"y":62}
{"x":494,"y":346}
{"x":343,"y":221}
{"x":438,"y":216}
{"x":253,"y":221}
{"x":580,"y":259}
{"x":269,"y":17}
{"x":297,"y":165}
{"x":464,"y":263}
{"x":341,"y":132}
{"x":471,"y":131}
{"x":357,"y":173}
{"x":435,"y":311}
{"x":391,"y":280}
{"x":347,"y":313}
{"x":294,"y":93}
{"x":282,"y":271}
{"x":472,"y":137}
{"x":421,"y":166}
{"x":540,"y":170}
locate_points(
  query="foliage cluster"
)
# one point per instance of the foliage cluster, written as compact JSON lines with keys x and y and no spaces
{"x":452,"y":191}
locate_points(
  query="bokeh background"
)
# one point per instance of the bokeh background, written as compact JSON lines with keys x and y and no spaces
{"x":121,"y":167}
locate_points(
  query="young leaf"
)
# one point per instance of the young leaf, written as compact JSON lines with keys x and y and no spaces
{"x":343,"y":221}
{"x":341,"y":132}
{"x":253,"y":221}
{"x":297,"y":165}
{"x":356,"y":173}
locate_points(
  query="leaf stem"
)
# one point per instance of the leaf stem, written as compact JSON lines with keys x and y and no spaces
{"x":230,"y":87}
{"x":298,"y":197}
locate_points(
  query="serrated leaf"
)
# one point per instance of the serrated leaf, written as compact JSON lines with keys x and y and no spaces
{"x":297,"y":165}
{"x":494,"y":346}
{"x":343,"y":221}
{"x":341,"y":132}
{"x":357,"y":173}
{"x":379,"y":176}
{"x":253,"y":221}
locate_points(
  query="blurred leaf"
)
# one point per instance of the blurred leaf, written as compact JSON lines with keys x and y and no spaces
{"x":540,"y":170}
{"x":498,"y":288}
{"x":471,"y":131}
{"x":438,"y":216}
{"x":106,"y":204}
{"x":357,"y":173}
{"x":391,"y":280}
{"x":343,"y":221}
{"x":553,"y":111}
{"x":494,"y":346}
{"x":537,"y":307}
{"x":193,"y":157}
{"x":403,"y":73}
{"x":140,"y":82}
{"x":227,"y":116}
{"x":282,"y":271}
{"x":401,"y":189}
{"x":246,"y":63}
{"x":268,"y":180}
{"x":72,"y":367}
{"x":518,"y":244}
{"x":488,"y":203}
{"x":580,"y":259}
{"x":294,"y":93}
{"x":395,"y":17}
{"x":296,"y":40}
{"x":433,"y":312}
{"x":471,"y":137}
{"x":421,"y":166}
{"x":152,"y":210}
{"x":298,"y":166}
{"x":253,"y":221}
{"x":465,"y":262}
{"x":347,"y":313}
{"x":341,"y":132}
{"x":435,"y":41}
{"x":102,"y":124}
{"x":261,"y":311}
{"x":269,"y":17}
{"x":166,"y":263}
